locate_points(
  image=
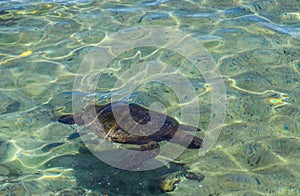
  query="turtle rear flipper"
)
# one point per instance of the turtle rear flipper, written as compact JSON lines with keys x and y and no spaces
{"x":71,"y":119}
{"x":67,"y":119}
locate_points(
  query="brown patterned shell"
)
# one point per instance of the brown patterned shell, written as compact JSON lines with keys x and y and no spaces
{"x":138,"y":125}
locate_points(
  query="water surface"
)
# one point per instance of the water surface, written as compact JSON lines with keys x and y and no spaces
{"x":254,"y":43}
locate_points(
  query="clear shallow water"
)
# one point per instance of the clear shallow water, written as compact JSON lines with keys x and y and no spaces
{"x":256,"y":47}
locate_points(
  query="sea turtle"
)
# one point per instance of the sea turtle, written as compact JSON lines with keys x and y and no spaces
{"x":116,"y":123}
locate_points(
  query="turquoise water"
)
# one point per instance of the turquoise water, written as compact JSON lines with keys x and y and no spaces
{"x":255,"y":45}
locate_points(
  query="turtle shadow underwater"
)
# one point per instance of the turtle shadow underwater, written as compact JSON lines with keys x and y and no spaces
{"x":93,"y":174}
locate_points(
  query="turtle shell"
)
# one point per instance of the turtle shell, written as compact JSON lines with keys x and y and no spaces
{"x":130,"y":123}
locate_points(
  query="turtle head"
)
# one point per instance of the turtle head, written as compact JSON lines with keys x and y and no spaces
{"x":196,"y":143}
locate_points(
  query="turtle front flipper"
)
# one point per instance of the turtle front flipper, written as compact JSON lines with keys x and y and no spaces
{"x":188,"y":140}
{"x":189,"y":128}
{"x":149,"y":146}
